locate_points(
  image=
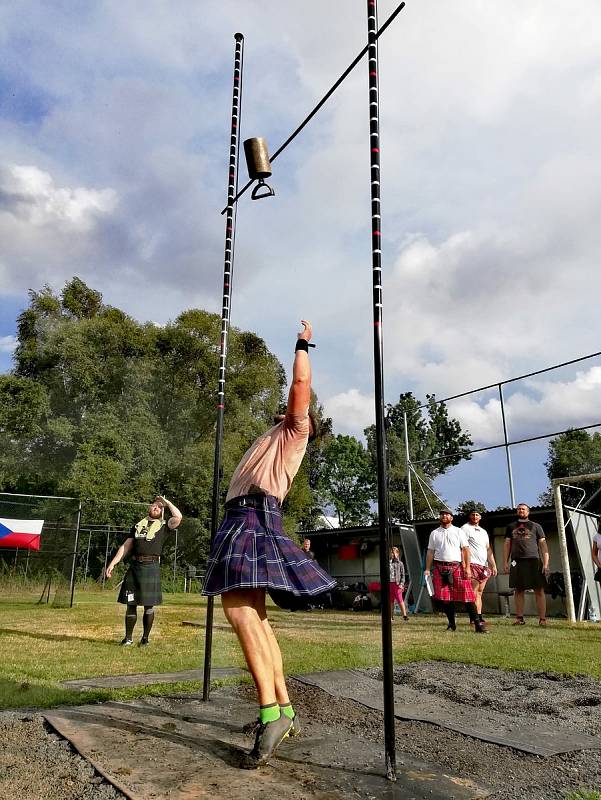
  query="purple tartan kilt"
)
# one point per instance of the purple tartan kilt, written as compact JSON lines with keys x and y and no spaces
{"x":460,"y":592}
{"x":250,"y":551}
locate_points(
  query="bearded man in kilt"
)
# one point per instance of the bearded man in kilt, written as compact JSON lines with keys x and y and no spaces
{"x":448,"y":559}
{"x":142,"y":582}
{"x":250,"y":555}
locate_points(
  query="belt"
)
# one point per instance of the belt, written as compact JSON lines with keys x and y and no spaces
{"x":147,"y":558}
{"x":258,"y":501}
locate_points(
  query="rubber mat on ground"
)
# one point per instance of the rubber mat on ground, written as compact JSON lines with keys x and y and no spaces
{"x":148,"y":678}
{"x":161,"y":748}
{"x":476,"y":721}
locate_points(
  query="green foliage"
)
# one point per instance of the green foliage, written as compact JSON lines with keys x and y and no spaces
{"x":346,"y":480}
{"x":471,"y":505}
{"x":436,"y":443}
{"x":574,"y":453}
{"x":102,"y":406}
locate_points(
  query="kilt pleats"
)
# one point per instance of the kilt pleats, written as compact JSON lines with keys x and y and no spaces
{"x":251,"y":551}
{"x":143,"y":580}
{"x":457,"y":590}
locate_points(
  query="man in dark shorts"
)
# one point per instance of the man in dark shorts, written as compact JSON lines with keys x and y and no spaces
{"x":142,"y":582}
{"x":251,"y":555}
{"x":527,"y":561}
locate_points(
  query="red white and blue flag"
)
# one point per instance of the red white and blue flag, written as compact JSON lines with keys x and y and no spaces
{"x":22,"y":533}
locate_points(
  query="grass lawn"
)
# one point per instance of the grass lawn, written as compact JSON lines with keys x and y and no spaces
{"x":41,"y":645}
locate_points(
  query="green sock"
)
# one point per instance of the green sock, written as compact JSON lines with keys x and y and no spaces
{"x":269,"y":713}
{"x":287,"y":710}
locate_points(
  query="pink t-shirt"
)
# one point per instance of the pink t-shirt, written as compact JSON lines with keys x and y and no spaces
{"x":271,"y":462}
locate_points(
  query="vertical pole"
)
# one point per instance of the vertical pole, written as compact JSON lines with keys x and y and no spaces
{"x":75,"y":548}
{"x":563,"y":549}
{"x":85,"y":576}
{"x":16,"y":561}
{"x":383,"y":512}
{"x":106,"y":554}
{"x":507,"y":453}
{"x":230,"y":223}
{"x":27,"y":564}
{"x":175,"y":558}
{"x":408,"y":467}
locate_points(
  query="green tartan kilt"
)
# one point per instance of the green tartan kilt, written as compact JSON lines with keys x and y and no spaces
{"x":143,"y":580}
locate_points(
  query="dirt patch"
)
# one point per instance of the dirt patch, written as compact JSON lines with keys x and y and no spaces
{"x":35,"y":763}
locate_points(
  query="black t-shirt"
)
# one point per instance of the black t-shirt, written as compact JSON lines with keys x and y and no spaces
{"x":524,"y":535}
{"x":143,"y":546}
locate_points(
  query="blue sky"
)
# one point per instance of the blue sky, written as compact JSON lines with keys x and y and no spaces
{"x":114,"y":120}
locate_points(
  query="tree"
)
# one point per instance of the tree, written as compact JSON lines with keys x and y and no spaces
{"x":100,"y":405}
{"x":436,"y":443}
{"x":463,"y":509}
{"x":346,"y":480}
{"x":574,"y":453}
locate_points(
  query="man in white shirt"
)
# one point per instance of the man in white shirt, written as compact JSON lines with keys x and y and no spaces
{"x":448,"y":560}
{"x":482,"y":558}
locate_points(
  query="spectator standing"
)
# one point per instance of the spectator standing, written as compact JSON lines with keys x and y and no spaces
{"x":397,"y":582}
{"x":142,"y":582}
{"x":482,"y":559}
{"x":448,"y":560}
{"x":526,"y":559}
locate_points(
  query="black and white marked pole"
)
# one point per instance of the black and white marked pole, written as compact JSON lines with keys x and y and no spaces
{"x":383,"y":511}
{"x":228,"y":269}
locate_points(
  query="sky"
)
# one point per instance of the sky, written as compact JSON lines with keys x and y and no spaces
{"x":114,"y":140}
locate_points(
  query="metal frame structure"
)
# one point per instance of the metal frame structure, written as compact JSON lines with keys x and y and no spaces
{"x":74,"y":553}
{"x":557,"y":483}
{"x":506,"y":444}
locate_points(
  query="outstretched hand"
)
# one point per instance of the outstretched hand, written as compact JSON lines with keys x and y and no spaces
{"x":307,"y":331}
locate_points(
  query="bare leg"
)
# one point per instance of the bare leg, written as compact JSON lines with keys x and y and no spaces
{"x":281,"y":690}
{"x":245,"y":611}
{"x":541,"y":603}
{"x":519,"y":602}
{"x":478,"y":589}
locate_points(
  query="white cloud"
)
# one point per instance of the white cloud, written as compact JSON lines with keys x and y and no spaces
{"x":351,"y":411}
{"x":535,"y":408}
{"x":29,"y":196}
{"x":8,"y":344}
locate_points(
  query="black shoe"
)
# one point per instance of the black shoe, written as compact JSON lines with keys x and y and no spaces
{"x":143,"y":642}
{"x":451,"y":627}
{"x":405,"y":619}
{"x":251,"y":728}
{"x":126,"y":642}
{"x":480,"y":626}
{"x":269,"y":736}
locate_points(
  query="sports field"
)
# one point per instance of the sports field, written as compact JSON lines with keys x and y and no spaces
{"x":41,"y":646}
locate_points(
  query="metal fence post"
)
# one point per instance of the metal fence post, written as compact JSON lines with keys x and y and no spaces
{"x":507,"y":453}
{"x":408,"y":466}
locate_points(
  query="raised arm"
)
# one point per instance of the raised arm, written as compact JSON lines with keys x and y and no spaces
{"x":299,"y":396}
{"x":176,"y":514}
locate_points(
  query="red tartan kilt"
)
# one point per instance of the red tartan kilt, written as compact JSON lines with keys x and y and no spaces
{"x":480,"y":572}
{"x":461,"y":591}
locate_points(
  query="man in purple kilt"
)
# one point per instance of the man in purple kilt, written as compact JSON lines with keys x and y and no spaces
{"x":448,"y":560}
{"x":251,"y":555}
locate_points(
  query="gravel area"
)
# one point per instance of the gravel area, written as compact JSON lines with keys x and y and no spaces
{"x":35,"y":763}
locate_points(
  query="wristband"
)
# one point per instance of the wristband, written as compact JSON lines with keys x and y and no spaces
{"x":301,"y":344}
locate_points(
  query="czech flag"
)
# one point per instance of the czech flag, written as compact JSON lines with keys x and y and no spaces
{"x":22,"y":533}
